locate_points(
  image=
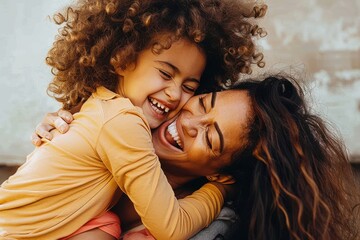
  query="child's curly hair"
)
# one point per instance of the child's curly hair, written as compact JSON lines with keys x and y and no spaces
{"x":99,"y":36}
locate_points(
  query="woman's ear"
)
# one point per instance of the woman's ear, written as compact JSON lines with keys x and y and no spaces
{"x":221,"y":178}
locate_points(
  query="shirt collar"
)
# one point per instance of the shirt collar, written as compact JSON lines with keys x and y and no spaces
{"x":104,"y":93}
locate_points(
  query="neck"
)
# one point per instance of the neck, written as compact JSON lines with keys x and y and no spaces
{"x":180,"y":184}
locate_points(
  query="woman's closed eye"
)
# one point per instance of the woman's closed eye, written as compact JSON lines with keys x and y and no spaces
{"x":207,"y":137}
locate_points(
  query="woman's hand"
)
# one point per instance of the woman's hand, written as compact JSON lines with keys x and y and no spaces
{"x":59,"y":120}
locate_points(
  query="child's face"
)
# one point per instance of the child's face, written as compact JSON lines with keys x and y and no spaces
{"x":162,"y":83}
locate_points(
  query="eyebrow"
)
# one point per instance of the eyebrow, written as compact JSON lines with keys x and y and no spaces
{"x":176,"y":69}
{"x":168,"y":64}
{"x":221,"y":136}
{"x":213,"y":98}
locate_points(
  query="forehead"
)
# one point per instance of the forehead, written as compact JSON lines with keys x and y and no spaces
{"x":233,"y":109}
{"x":183,"y":54}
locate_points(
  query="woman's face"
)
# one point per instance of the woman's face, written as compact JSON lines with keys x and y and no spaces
{"x":205,"y":134}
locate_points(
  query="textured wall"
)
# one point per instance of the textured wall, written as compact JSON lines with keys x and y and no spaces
{"x":26,"y":35}
{"x":318,"y":40}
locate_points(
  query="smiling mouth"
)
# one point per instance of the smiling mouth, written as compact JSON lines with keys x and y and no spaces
{"x":158,"y":107}
{"x":172,"y":130}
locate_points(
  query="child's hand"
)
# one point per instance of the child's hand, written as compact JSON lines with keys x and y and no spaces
{"x":59,"y":120}
{"x":225,"y":183}
{"x":229,"y":191}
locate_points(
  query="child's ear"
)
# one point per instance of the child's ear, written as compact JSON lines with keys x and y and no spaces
{"x":119,"y":71}
{"x":122,"y":71}
{"x":221,"y":178}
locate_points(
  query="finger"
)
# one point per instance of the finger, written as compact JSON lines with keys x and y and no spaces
{"x":43,"y":130}
{"x":36,"y":140}
{"x":61,"y":125}
{"x":50,"y":118}
{"x":65,"y":115}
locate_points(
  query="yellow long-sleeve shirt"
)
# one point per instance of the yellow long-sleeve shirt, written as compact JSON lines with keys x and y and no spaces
{"x":75,"y":177}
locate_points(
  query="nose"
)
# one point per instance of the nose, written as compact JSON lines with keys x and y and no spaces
{"x":192,"y":123}
{"x":173,"y":91}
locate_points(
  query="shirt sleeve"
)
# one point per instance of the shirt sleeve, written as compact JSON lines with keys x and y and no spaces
{"x":125,"y":146}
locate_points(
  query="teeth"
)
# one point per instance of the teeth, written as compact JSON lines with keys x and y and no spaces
{"x":174,"y":133}
{"x":159,"y":105}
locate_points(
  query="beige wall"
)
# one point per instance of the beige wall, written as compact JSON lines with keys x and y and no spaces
{"x":26,"y":34}
{"x":319,"y":41}
{"x":319,"y":38}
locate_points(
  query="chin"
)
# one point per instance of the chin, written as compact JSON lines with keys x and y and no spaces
{"x":154,"y":124}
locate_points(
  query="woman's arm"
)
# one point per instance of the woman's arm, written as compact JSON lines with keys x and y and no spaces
{"x":59,"y":120}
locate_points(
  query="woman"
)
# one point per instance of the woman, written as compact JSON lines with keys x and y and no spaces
{"x":295,"y":180}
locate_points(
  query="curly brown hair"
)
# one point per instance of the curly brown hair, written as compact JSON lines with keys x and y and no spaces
{"x":98,"y":36}
{"x":295,"y":177}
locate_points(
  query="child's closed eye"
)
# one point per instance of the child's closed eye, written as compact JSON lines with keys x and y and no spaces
{"x":165,"y":75}
{"x":189,"y":88}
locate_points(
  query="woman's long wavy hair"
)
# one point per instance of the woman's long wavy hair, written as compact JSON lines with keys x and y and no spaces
{"x":295,"y":177}
{"x":99,"y":36}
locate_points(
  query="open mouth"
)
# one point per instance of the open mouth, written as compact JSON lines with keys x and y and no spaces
{"x":158,"y":107}
{"x":175,"y":139}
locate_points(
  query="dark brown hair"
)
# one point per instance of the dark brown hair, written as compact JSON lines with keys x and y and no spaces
{"x":99,"y":36}
{"x":295,"y":177}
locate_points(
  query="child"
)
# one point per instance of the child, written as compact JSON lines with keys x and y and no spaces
{"x":135,"y":64}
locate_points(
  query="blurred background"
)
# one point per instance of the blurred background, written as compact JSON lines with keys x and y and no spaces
{"x":315,"y":40}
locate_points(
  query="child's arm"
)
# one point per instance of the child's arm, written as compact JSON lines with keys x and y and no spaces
{"x":125,"y":146}
{"x":191,"y":225}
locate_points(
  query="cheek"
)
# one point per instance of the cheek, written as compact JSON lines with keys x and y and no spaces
{"x":184,"y":99}
{"x":198,"y":155}
{"x":200,"y":164}
{"x":202,"y":159}
{"x":174,"y":112}
{"x":178,"y":109}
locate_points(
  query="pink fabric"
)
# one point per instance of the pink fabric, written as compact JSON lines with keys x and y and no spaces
{"x":142,"y":234}
{"x":108,"y":222}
